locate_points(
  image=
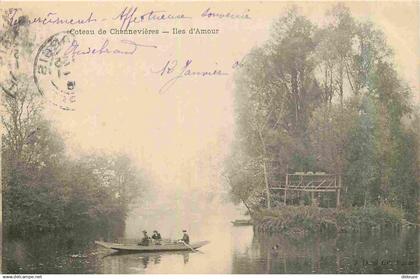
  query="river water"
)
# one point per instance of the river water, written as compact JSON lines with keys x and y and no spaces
{"x":232,"y":250}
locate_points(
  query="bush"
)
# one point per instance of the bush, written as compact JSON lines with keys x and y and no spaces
{"x":369,"y":218}
{"x":296,"y":220}
{"x":300,"y":220}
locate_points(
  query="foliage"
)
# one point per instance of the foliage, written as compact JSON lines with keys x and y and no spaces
{"x":300,"y":220}
{"x":326,"y":98}
{"x":359,"y":219}
{"x":51,"y":192}
{"x":295,"y":220}
{"x":43,"y":189}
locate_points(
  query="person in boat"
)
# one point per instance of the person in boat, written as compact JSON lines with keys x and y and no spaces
{"x":157,"y":237}
{"x":185,"y":238}
{"x":145,"y":241}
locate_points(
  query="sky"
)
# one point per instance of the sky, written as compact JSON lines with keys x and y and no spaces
{"x":181,"y":137}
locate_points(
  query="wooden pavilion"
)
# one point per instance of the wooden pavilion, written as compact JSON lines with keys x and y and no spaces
{"x":314,"y":182}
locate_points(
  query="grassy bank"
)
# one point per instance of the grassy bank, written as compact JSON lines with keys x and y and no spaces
{"x":301,"y":220}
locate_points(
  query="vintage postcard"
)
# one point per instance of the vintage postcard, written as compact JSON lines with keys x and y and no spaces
{"x":210,"y":137}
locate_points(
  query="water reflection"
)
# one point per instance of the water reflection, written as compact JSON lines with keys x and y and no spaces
{"x":232,"y":250}
{"x":344,"y":253}
{"x":49,"y":254}
{"x":118,"y":262}
{"x":186,"y":258}
{"x":260,"y":253}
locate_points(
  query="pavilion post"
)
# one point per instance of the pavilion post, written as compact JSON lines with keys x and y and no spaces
{"x":338,"y":191}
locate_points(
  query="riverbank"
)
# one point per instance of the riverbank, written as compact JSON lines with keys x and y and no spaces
{"x":301,"y":220}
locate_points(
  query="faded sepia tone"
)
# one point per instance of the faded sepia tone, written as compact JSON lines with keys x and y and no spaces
{"x":297,"y":120}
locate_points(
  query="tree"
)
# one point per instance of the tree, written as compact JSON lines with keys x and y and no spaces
{"x":334,"y":51}
{"x":325,"y":98}
{"x":43,"y":189}
{"x":330,"y":131}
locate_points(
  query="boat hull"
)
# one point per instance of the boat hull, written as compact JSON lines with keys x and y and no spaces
{"x":152,"y":248}
{"x":242,"y":223}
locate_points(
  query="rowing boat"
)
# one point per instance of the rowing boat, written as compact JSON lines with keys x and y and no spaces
{"x":242,"y":222}
{"x":152,"y":248}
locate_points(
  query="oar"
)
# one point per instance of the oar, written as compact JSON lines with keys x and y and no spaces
{"x":192,"y":249}
{"x":189,"y":246}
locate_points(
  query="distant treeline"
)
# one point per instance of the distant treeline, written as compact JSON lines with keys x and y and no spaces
{"x":326,"y":98}
{"x":43,"y":189}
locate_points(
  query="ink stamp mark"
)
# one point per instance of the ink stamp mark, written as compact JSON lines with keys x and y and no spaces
{"x":52,"y":71}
